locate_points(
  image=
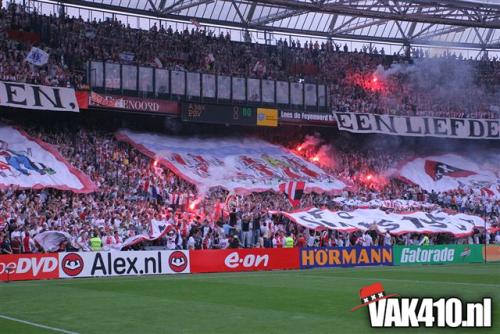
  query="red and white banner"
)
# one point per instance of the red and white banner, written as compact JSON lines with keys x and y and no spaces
{"x":36,"y":97}
{"x":242,"y":166}
{"x":226,"y":260}
{"x":459,"y":225}
{"x":294,"y":191}
{"x":99,"y":264}
{"x":447,"y":172}
{"x":157,"y":229}
{"x":27,"y":162}
{"x":130,"y":103}
{"x":28,"y":267}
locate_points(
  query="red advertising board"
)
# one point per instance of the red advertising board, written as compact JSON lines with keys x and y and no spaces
{"x":135,"y":104}
{"x":28,"y":267}
{"x":210,"y":261}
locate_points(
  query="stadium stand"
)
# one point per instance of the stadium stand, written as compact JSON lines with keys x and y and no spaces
{"x":350,"y":74}
{"x":133,"y":190}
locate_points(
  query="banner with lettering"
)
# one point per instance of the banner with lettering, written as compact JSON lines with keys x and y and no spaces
{"x":133,"y":104}
{"x":438,"y":254}
{"x":242,"y":166}
{"x":27,"y":162}
{"x":419,"y":126}
{"x":441,"y":173}
{"x":395,"y":223}
{"x":26,"y":96}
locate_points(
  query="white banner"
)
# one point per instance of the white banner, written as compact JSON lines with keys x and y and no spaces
{"x":51,"y":241}
{"x":447,"y":172}
{"x":99,"y":264}
{"x":37,"y":57}
{"x":26,"y":96}
{"x":364,"y":219}
{"x":27,"y":162}
{"x":419,"y":126}
{"x":238,"y":165}
{"x":398,"y":204}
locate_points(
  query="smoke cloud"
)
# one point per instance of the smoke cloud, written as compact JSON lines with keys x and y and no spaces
{"x":438,"y":82}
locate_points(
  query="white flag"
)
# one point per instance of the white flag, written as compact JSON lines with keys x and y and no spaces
{"x":51,"y":240}
{"x":37,"y":57}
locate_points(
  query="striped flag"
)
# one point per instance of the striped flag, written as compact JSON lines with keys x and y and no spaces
{"x":294,"y":191}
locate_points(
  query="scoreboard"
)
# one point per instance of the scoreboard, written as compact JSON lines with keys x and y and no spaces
{"x":219,"y":114}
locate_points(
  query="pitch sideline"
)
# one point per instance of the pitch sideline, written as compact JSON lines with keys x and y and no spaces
{"x":34,"y":324}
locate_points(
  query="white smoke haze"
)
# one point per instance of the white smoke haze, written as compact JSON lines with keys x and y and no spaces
{"x":438,"y":81}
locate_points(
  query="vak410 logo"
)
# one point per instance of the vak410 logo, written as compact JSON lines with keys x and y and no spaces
{"x":386,"y":311}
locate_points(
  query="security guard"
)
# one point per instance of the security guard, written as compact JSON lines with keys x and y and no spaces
{"x":289,"y":241}
{"x":95,"y":243}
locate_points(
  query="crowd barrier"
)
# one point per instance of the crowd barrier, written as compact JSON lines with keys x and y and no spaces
{"x":105,"y":264}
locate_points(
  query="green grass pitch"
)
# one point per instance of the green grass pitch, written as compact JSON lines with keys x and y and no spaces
{"x":309,"y":301}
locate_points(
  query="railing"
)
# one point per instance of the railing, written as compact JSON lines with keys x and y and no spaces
{"x":193,"y":86}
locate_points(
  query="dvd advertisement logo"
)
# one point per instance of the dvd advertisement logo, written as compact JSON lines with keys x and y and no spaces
{"x":72,"y":264}
{"x":178,"y":261}
{"x":387,"y":311}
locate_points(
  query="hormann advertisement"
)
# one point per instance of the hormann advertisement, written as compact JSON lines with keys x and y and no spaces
{"x":438,"y":254}
{"x":345,"y":257}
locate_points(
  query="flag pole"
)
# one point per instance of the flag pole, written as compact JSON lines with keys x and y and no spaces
{"x":485,"y":240}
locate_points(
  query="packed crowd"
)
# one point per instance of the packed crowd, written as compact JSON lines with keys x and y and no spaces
{"x":125,"y":205}
{"x":71,"y":42}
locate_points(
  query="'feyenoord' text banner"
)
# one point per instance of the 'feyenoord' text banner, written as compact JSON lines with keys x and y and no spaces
{"x":130,"y":103}
{"x":26,"y":96}
{"x":419,"y":126}
{"x":394,"y":223}
{"x":242,"y":166}
{"x":98,"y":264}
{"x":438,"y":254}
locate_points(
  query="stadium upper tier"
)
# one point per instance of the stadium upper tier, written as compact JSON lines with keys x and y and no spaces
{"x":366,"y":80}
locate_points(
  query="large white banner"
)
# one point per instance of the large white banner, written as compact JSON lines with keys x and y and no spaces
{"x":446,"y":172}
{"x":243,"y":166}
{"x":364,"y":219}
{"x":26,"y":162}
{"x":22,"y":95}
{"x":419,"y":126}
{"x":99,"y":264}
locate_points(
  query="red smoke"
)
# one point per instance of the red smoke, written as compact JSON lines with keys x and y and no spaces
{"x":373,"y":181}
{"x":368,"y":81}
{"x":317,"y":151}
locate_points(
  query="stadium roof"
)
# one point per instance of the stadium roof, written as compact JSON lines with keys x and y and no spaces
{"x":447,"y":23}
